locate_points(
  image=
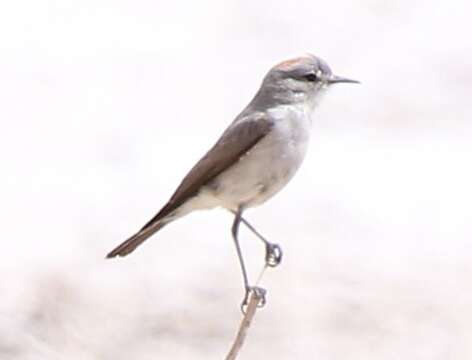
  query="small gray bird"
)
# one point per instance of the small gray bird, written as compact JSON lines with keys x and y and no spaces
{"x":254,"y":158}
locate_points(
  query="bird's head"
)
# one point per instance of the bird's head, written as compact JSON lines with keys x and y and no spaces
{"x":300,"y":79}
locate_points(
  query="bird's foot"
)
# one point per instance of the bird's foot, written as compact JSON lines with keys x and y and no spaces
{"x":259,"y":292}
{"x":273,"y":255}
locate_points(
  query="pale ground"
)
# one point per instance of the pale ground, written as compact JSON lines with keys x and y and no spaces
{"x":107,"y":104}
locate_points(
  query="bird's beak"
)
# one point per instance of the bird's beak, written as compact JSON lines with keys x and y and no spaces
{"x":338,"y":79}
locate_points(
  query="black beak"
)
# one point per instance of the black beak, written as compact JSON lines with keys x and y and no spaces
{"x":338,"y":79}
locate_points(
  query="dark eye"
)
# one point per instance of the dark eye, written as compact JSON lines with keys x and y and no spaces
{"x":311,"y":77}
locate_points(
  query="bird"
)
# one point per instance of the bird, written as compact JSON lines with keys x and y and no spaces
{"x":255,"y":157}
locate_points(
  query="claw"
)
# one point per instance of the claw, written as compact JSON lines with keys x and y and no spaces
{"x":273,"y":255}
{"x":260,"y":292}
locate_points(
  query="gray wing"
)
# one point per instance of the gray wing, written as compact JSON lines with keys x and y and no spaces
{"x":239,"y":138}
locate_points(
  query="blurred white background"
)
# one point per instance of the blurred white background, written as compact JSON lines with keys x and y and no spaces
{"x":105,"y":105}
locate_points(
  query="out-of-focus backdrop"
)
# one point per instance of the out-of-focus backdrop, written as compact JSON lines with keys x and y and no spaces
{"x":105,"y":105}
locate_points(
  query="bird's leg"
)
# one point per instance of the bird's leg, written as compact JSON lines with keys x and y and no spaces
{"x":274,"y":252}
{"x":247,"y":288}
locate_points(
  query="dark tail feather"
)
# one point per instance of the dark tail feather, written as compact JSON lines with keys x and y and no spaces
{"x":134,"y":241}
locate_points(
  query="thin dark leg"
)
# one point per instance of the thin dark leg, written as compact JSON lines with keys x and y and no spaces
{"x":273,"y":251}
{"x":234,"y":231}
{"x":247,"y":288}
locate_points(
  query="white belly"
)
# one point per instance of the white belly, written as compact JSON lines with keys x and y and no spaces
{"x":268,"y":166}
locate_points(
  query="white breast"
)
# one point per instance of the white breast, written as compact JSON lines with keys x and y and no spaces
{"x":270,"y":164}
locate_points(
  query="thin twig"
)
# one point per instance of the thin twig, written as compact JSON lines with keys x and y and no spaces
{"x":256,"y":298}
{"x":244,"y":327}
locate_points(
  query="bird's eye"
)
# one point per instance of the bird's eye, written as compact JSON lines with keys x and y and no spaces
{"x":311,"y":77}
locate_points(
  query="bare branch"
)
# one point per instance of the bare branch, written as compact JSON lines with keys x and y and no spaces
{"x":256,"y":298}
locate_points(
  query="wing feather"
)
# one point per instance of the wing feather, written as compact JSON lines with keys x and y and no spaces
{"x":238,"y":139}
